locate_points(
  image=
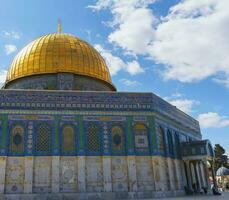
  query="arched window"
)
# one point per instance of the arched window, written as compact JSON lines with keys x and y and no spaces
{"x":161,"y":140}
{"x":43,"y":138}
{"x":17,"y":139}
{"x":141,"y":138}
{"x":68,"y":137}
{"x":177,"y":144}
{"x":170,"y":142}
{"x":93,"y":139}
{"x":118,"y":143}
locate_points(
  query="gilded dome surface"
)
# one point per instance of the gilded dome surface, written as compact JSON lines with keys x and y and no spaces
{"x":56,"y":53}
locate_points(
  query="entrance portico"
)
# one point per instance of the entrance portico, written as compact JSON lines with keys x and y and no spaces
{"x":198,"y":165}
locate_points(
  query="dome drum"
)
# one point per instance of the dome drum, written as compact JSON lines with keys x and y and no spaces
{"x":60,"y":81}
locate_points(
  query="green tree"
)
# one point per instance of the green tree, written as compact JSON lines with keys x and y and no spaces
{"x":220,"y":157}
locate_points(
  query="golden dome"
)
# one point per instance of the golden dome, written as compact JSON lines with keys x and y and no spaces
{"x":58,"y":52}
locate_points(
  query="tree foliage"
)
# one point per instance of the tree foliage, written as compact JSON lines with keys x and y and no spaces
{"x":220,"y":158}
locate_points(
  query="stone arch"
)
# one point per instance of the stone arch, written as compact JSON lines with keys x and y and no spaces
{"x":141,"y":137}
{"x":170,"y":142}
{"x":161,"y":139}
{"x":118,"y":139}
{"x":68,"y":139}
{"x":177,"y":144}
{"x":17,"y":134}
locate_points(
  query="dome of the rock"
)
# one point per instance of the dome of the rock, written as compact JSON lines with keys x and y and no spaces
{"x":59,"y":54}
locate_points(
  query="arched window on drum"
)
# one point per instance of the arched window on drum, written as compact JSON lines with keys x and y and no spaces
{"x":93,"y":139}
{"x":141,"y":138}
{"x":43,"y":139}
{"x":118,"y":140}
{"x":161,"y":140}
{"x":17,"y":133}
{"x":68,"y":140}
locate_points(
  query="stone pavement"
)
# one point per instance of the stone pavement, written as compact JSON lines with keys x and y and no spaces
{"x":224,"y":196}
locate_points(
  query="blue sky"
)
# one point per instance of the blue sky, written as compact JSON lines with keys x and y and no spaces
{"x":176,"y":49}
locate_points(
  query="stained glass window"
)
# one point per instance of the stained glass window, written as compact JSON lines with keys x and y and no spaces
{"x":161,"y":140}
{"x":43,"y":138}
{"x":118,"y":144}
{"x":93,"y":139}
{"x":68,"y":139}
{"x":141,"y":137}
{"x":17,"y":139}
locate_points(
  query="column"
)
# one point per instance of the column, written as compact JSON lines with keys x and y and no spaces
{"x":154,"y":171}
{"x":55,"y":174}
{"x":199,"y":185}
{"x":171,"y":173}
{"x":56,"y":157}
{"x":133,"y":186}
{"x":162,"y":168}
{"x":131,"y":163}
{"x":153,"y":147}
{"x":2,"y":173}
{"x":207,"y":173}
{"x":200,"y":174}
{"x":193,"y":176}
{"x":204,"y":176}
{"x":183,"y":174}
{"x":178,"y":174}
{"x":189,"y":178}
{"x":107,"y":181}
{"x":81,"y":174}
{"x":28,"y":182}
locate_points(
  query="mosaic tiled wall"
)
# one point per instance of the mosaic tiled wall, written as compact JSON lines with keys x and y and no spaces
{"x":92,"y":153}
{"x":53,"y":101}
{"x":70,"y":135}
{"x":61,"y":81}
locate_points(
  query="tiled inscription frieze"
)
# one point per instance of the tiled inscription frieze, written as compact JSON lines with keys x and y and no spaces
{"x":93,"y":101}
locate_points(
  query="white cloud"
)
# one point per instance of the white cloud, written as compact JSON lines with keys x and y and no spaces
{"x":134,"y":68}
{"x":177,"y":95}
{"x":186,"y":105}
{"x":191,"y":42}
{"x":11,"y":34}
{"x":223,"y":81}
{"x":132,"y":23}
{"x":129,"y":82}
{"x":116,"y":64}
{"x":3,"y":74}
{"x":10,"y":48}
{"x":213,"y":120}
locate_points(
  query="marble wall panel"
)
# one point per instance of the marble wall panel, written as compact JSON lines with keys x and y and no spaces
{"x":119,"y":173}
{"x":42,"y":174}
{"x":14,"y":180}
{"x":94,"y":174}
{"x":144,"y":173}
{"x":68,"y":174}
